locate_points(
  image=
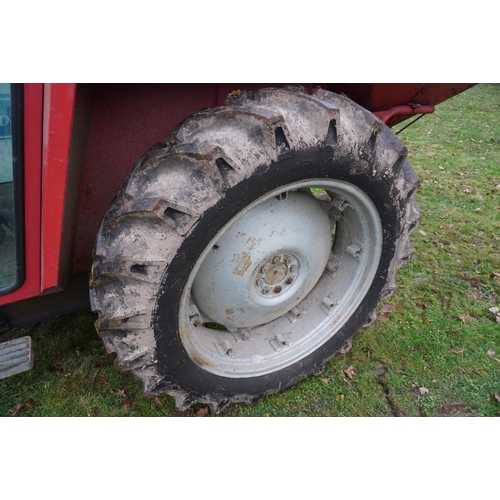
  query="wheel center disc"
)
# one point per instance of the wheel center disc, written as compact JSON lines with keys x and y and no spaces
{"x":251,"y":276}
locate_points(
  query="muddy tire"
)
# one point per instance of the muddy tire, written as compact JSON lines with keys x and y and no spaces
{"x":246,"y":251}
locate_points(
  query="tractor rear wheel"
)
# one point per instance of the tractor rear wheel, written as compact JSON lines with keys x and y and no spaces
{"x":246,"y":251}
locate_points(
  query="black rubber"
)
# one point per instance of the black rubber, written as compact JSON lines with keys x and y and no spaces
{"x":152,"y":236}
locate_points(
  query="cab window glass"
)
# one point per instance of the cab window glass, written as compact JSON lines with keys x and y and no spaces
{"x":8,"y":240}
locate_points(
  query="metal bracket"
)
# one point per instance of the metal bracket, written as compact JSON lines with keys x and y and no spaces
{"x":295,"y":314}
{"x":194,"y":316}
{"x":338,"y":204}
{"x":280,"y":342}
{"x":332,"y":265}
{"x":241,"y":335}
{"x":282,"y":196}
{"x":225,"y":348}
{"x":354,"y":249}
{"x":328,"y":305}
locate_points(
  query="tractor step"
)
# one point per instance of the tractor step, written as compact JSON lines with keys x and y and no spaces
{"x":16,"y":356}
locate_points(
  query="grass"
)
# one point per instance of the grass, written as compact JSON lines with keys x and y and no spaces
{"x":431,"y":355}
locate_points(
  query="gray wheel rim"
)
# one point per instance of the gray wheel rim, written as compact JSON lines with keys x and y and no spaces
{"x":296,"y":294}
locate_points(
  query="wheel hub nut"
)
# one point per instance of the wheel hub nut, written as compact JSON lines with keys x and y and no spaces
{"x":277,"y":274}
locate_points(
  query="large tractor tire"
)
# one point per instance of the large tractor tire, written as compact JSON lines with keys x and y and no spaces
{"x":249,"y":249}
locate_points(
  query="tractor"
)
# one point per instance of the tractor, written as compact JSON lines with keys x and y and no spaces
{"x":231,"y":238}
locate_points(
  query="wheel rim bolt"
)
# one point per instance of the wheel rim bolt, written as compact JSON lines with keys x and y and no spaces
{"x":289,"y":281}
{"x":266,"y":289}
{"x":293,"y":268}
{"x":287,"y":259}
{"x":277,"y":259}
{"x":277,"y":289}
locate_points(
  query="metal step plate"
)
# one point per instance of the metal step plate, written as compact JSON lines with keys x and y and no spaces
{"x":16,"y":356}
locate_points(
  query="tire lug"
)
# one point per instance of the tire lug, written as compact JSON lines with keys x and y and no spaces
{"x":266,"y":289}
{"x":346,"y":347}
{"x":277,"y":259}
{"x":293,"y":268}
{"x":277,"y":289}
{"x":289,"y":281}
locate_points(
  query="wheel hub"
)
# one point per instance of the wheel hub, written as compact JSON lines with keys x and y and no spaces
{"x":277,"y":275}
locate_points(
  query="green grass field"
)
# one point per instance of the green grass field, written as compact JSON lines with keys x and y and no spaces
{"x":434,"y":349}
